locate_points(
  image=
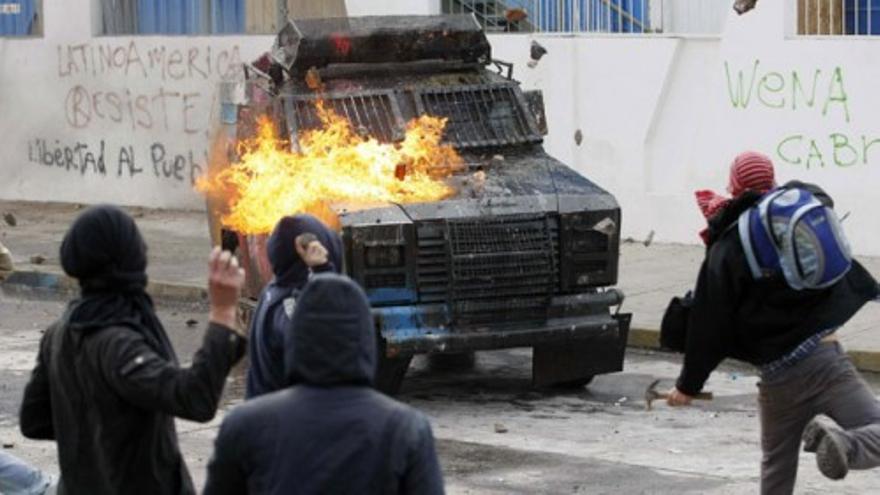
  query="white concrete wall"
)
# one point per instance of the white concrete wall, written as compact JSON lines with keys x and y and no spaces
{"x":121,"y":119}
{"x":660,"y":117}
{"x":393,"y":7}
{"x":89,"y":118}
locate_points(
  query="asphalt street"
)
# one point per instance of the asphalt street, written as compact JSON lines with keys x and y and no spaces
{"x":495,"y":432}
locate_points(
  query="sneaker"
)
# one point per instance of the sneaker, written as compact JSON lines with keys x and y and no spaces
{"x":831,"y":456}
{"x":815,"y":432}
{"x":52,"y":489}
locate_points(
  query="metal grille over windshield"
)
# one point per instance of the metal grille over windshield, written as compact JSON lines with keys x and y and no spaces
{"x":371,"y":113}
{"x":480,"y":115}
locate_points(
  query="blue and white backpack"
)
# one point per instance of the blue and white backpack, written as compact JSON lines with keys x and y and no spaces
{"x":792,"y":232}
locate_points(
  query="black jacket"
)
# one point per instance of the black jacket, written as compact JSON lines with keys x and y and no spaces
{"x":112,"y":413}
{"x":758,"y":322}
{"x":330,"y":432}
{"x":266,"y":342}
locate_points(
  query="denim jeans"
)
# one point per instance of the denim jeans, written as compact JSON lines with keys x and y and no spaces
{"x":20,"y":478}
{"x":825,"y":382}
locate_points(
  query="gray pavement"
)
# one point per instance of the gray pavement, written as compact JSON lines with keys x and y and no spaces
{"x":650,"y":276}
{"x":495,"y":433}
{"x":179,"y":242}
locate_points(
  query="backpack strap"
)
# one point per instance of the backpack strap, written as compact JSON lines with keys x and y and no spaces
{"x":764,"y":211}
{"x":756,"y":234}
{"x":745,"y":235}
{"x":789,"y":256}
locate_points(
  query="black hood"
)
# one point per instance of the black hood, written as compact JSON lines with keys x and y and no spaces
{"x":105,"y":252}
{"x":331,"y":340}
{"x":288,"y":267}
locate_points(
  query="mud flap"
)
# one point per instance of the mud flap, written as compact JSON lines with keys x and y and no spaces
{"x":390,"y":370}
{"x":577,"y":361}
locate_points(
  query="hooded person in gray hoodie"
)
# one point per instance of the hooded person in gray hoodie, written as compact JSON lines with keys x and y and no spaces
{"x":329,"y":431}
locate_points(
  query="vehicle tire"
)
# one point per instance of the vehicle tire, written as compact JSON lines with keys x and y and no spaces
{"x":452,"y":361}
{"x":574,"y":384}
{"x":390,"y":373}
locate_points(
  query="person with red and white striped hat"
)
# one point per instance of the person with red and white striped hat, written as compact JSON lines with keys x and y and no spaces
{"x":788,"y":334}
{"x":750,"y":171}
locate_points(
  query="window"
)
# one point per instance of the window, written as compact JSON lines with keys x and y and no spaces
{"x":209,"y":16}
{"x":595,"y":16}
{"x":838,"y":17}
{"x":171,"y":16}
{"x":20,"y":18}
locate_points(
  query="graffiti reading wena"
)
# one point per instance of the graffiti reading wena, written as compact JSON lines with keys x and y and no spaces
{"x":822,"y":91}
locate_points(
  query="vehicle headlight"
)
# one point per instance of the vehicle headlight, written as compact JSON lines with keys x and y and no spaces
{"x":589,"y":245}
{"x":382,"y":260}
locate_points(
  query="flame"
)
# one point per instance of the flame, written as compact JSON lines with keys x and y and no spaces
{"x":333,"y":165}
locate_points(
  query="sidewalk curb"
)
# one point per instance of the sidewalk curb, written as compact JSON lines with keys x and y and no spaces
{"x":650,"y":339}
{"x":48,"y":280}
{"x":644,"y":338}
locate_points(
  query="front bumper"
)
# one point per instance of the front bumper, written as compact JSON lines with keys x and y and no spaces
{"x":582,"y":318}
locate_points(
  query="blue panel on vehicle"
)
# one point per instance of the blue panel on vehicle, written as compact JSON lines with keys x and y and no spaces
{"x":229,"y":113}
{"x":399,"y":323}
{"x":391,"y":295}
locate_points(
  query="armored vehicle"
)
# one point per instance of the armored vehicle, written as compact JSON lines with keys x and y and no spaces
{"x":525,"y":254}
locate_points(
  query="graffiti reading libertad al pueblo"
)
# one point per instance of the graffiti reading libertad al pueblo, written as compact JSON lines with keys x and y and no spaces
{"x":159,"y":91}
{"x":822,"y":91}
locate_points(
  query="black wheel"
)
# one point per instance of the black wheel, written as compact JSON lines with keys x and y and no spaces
{"x":574,"y":384}
{"x":453,"y":361}
{"x":390,"y":373}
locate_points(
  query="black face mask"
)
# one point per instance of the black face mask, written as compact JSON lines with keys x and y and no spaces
{"x":105,"y":252}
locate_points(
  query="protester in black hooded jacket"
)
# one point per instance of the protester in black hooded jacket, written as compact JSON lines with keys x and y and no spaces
{"x":757,"y":321}
{"x":329,"y":431}
{"x":107,"y":385}
{"x":292,"y":265}
{"x":790,"y":336}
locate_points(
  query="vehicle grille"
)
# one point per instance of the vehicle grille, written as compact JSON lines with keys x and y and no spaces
{"x":490,"y":270}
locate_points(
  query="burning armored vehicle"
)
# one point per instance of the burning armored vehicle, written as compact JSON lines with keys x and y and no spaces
{"x":426,"y":155}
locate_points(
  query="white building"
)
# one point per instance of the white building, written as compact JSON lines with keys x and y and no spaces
{"x":662,"y":107}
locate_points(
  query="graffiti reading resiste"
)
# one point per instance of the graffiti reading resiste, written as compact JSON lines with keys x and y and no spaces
{"x":157,"y":97}
{"x":820,"y":91}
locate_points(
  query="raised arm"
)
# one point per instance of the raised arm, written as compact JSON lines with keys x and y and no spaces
{"x":137,"y":373}
{"x":712,"y":318}
{"x":142,"y":377}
